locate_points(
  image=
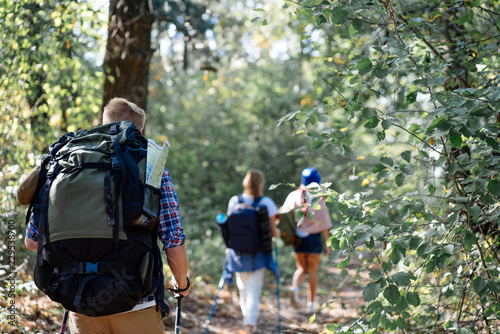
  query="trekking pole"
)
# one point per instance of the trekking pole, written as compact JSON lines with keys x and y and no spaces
{"x":178,"y":296}
{"x":63,"y":324}
{"x":278,"y":290}
{"x":221,"y":284}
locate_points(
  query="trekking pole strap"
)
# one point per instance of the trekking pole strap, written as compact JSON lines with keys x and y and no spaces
{"x":177,"y":291}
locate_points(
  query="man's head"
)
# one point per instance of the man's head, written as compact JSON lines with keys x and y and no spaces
{"x":119,"y":109}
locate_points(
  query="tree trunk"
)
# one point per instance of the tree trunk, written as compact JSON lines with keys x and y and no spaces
{"x":128,"y":51}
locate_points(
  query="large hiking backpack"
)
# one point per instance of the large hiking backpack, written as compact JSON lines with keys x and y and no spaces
{"x":247,"y":229}
{"x":92,"y":257}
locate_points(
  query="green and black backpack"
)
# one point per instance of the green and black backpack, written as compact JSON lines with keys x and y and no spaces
{"x":92,"y":256}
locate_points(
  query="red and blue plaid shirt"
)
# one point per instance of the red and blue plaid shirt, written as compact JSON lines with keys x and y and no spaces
{"x":170,"y":228}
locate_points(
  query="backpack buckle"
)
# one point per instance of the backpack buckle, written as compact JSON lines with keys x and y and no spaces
{"x":92,"y":267}
{"x":52,"y":168}
{"x":115,"y":163}
{"x":113,"y":130}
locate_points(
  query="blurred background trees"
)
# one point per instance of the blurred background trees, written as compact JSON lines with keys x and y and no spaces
{"x":395,"y":103}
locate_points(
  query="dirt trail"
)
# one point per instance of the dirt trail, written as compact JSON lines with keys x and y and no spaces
{"x":339,"y":294}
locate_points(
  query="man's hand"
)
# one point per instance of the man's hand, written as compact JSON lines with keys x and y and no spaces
{"x":183,"y":289}
{"x":30,"y":244}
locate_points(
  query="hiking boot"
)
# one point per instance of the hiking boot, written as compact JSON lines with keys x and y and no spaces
{"x":312,"y":307}
{"x":295,"y":296}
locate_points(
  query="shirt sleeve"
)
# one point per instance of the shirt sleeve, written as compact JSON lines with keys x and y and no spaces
{"x":170,"y":228}
{"x":32,"y":230}
{"x":233,"y":201}
{"x":272,"y":209}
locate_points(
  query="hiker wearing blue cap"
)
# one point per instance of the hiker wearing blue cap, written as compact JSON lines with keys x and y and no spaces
{"x":311,"y":235}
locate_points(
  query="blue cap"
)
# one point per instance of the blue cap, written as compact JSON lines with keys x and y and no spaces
{"x":310,"y":175}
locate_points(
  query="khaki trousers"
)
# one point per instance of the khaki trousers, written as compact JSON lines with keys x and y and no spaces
{"x":146,"y":321}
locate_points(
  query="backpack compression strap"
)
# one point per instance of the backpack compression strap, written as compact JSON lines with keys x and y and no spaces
{"x":42,"y":224}
{"x":118,"y":165}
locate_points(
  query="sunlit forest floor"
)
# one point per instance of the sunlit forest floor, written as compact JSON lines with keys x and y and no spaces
{"x":339,"y":295}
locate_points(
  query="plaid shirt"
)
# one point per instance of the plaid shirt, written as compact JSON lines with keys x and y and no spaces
{"x":170,"y":228}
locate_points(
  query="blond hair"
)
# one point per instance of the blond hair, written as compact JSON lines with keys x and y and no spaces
{"x":254,"y":183}
{"x":119,"y":109}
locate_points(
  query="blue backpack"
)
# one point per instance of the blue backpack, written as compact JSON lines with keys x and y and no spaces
{"x":247,"y":229}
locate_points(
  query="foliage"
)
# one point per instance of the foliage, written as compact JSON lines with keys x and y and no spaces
{"x":48,"y":86}
{"x":411,"y":88}
{"x":222,"y":122}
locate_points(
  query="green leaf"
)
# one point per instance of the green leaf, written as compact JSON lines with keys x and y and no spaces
{"x":401,"y":305}
{"x":372,"y":291}
{"x":400,"y":179}
{"x":406,"y":155}
{"x":439,"y":80}
{"x":493,"y":285}
{"x":456,"y":140}
{"x":367,"y":112}
{"x":464,"y":19}
{"x":317,"y":143}
{"x":494,"y":187}
{"x":339,"y":17}
{"x":402,"y":279}
{"x":448,"y":290}
{"x":323,"y":118}
{"x":453,"y":168}
{"x":381,"y":72}
{"x":372,"y":122}
{"x":469,"y":240}
{"x":411,"y":97}
{"x":344,"y":262}
{"x":465,"y":330}
{"x":408,"y":170}
{"x":450,"y":325}
{"x":386,"y":123}
{"x":364,"y":64}
{"x":400,"y":322}
{"x":413,"y":298}
{"x":479,"y":285}
{"x":474,"y":211}
{"x":357,"y":24}
{"x":397,"y":254}
{"x":391,"y":293}
{"x":376,"y":275}
{"x":387,"y":161}
{"x":375,"y":320}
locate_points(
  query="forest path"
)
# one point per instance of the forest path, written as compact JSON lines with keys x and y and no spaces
{"x":340,"y":296}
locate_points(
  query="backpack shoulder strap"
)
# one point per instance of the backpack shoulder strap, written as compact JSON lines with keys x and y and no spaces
{"x":256,"y":202}
{"x":240,"y":198}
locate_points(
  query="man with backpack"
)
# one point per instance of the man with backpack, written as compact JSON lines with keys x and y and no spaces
{"x":143,"y":314}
